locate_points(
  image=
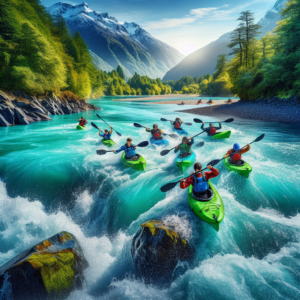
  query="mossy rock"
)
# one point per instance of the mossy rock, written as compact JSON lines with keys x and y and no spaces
{"x":48,"y":270}
{"x":157,"y":249}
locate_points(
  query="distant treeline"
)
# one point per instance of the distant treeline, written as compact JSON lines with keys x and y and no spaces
{"x":265,"y":67}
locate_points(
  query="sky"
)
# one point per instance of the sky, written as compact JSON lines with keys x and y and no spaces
{"x":187,"y":25}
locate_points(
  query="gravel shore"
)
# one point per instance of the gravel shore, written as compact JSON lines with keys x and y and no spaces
{"x":270,"y":110}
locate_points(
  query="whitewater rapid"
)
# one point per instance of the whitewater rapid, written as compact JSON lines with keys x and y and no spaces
{"x":53,"y":180}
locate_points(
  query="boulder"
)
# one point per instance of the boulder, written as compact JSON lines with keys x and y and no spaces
{"x":7,"y":115}
{"x":49,"y":270}
{"x":157,"y":250}
{"x":20,"y":117}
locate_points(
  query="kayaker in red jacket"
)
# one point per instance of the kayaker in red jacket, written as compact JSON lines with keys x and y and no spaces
{"x":177,"y":123}
{"x":82,"y":121}
{"x":236,"y":152}
{"x":211,"y":130}
{"x":201,"y":186}
{"x":156,"y":132}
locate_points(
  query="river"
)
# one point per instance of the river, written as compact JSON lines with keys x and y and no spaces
{"x":53,"y":180}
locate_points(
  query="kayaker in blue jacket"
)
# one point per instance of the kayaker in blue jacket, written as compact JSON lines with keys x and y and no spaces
{"x":107,"y":134}
{"x":129,"y":150}
{"x":186,"y":146}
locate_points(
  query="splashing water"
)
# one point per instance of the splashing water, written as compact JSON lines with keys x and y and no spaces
{"x":53,"y":180}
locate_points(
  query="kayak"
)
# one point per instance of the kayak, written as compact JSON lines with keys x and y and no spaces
{"x":185,"y":162}
{"x":243,"y":170}
{"x":139,"y":164}
{"x":211,"y":211}
{"x":81,"y":127}
{"x":108,"y":143}
{"x":181,"y":131}
{"x":159,"y":142}
{"x":221,"y":135}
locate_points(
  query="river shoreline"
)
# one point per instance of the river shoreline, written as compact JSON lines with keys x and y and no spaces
{"x":269,"y":110}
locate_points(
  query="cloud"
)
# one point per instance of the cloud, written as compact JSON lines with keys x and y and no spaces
{"x":169,"y":23}
{"x":202,"y":12}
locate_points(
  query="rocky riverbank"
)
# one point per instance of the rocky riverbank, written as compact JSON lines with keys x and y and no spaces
{"x":17,"y":108}
{"x":265,"y":109}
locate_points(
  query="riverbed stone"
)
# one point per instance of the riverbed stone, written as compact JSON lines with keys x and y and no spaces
{"x":48,"y":270}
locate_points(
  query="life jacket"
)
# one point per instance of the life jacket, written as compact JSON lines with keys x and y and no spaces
{"x":129,"y":151}
{"x":200,"y":184}
{"x":177,"y":125}
{"x":212,"y":131}
{"x":235,"y":156}
{"x":185,"y":149}
{"x":82,"y":123}
{"x":106,"y":136}
{"x":156,"y":133}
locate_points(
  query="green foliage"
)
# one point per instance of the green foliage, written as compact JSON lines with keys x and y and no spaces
{"x":120,"y":72}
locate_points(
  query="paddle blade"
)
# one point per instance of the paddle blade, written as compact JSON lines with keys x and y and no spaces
{"x":229,"y":120}
{"x":118,"y":133}
{"x":201,"y":144}
{"x":101,"y":152}
{"x":137,"y":125}
{"x":174,"y":136}
{"x":214,"y":162}
{"x":259,"y":138}
{"x":163,"y":119}
{"x":164,"y":152}
{"x":188,"y":124}
{"x":94,"y":125}
{"x":167,"y":187}
{"x":197,"y":120}
{"x":99,"y":117}
{"x":143,"y":144}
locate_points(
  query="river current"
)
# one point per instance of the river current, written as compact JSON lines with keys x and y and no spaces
{"x":51,"y":179}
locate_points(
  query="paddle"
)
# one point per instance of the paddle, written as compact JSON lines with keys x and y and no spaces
{"x":226,"y":121}
{"x":189,"y":124}
{"x":119,"y":134}
{"x":142,"y":144}
{"x":174,"y":136}
{"x":169,"y":186}
{"x":165,"y":152}
{"x":95,"y":126}
{"x":216,"y":161}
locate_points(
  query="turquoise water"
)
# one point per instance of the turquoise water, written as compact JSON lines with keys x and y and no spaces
{"x":53,"y":180}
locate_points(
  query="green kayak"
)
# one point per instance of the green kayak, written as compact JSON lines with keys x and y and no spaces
{"x":108,"y":143}
{"x":139,"y":164}
{"x":80,"y":127}
{"x":211,"y":211}
{"x":243,"y":170}
{"x":221,"y":135}
{"x":185,"y":162}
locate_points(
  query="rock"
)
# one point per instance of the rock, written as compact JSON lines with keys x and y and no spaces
{"x":157,"y":249}
{"x":20,"y":117}
{"x":49,"y":270}
{"x":7,"y":115}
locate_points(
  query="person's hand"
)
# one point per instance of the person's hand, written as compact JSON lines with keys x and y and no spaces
{"x":219,"y":122}
{"x":134,"y":146}
{"x":110,"y":127}
{"x":226,"y":155}
{"x":203,"y":122}
{"x":181,"y":180}
{"x":114,"y":150}
{"x":191,"y":138}
{"x":146,"y":128}
{"x":176,"y":147}
{"x":209,"y":167}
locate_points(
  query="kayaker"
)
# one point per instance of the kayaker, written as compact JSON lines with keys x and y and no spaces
{"x":129,"y":150}
{"x":210,"y":101}
{"x":198,"y":181}
{"x":211,"y":130}
{"x":186,"y":146}
{"x":229,"y":101}
{"x":236,"y":152}
{"x":107,"y":134}
{"x":82,"y":121}
{"x":156,"y":132}
{"x":199,"y":101}
{"x":177,"y":123}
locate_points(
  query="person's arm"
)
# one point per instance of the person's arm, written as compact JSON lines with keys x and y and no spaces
{"x":212,"y":173}
{"x":220,"y":126}
{"x":111,"y":129}
{"x":228,"y":153}
{"x":85,"y":121}
{"x":119,"y":150}
{"x":186,"y":183}
{"x":191,"y":142}
{"x":202,"y":126}
{"x":101,"y":134}
{"x":161,"y":132}
{"x":172,"y":122}
{"x":244,"y":150}
{"x":148,"y":130}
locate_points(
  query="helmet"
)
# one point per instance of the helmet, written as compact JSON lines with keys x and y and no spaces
{"x":236,"y":146}
{"x":197,"y":166}
{"x":185,"y":138}
{"x":177,"y":119}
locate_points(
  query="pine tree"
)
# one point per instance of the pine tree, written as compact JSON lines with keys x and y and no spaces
{"x":8,"y":22}
{"x":120,"y":72}
{"x":221,"y":65}
{"x":236,"y":43}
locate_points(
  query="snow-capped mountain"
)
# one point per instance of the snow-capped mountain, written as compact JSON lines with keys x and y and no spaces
{"x":112,"y":43}
{"x":204,"y":60}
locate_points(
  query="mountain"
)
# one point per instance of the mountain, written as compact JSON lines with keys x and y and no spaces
{"x":115,"y":44}
{"x":204,"y":60}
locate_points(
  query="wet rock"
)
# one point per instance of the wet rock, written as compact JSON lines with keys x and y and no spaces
{"x":49,"y":270}
{"x":157,"y":250}
{"x":20,"y":117}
